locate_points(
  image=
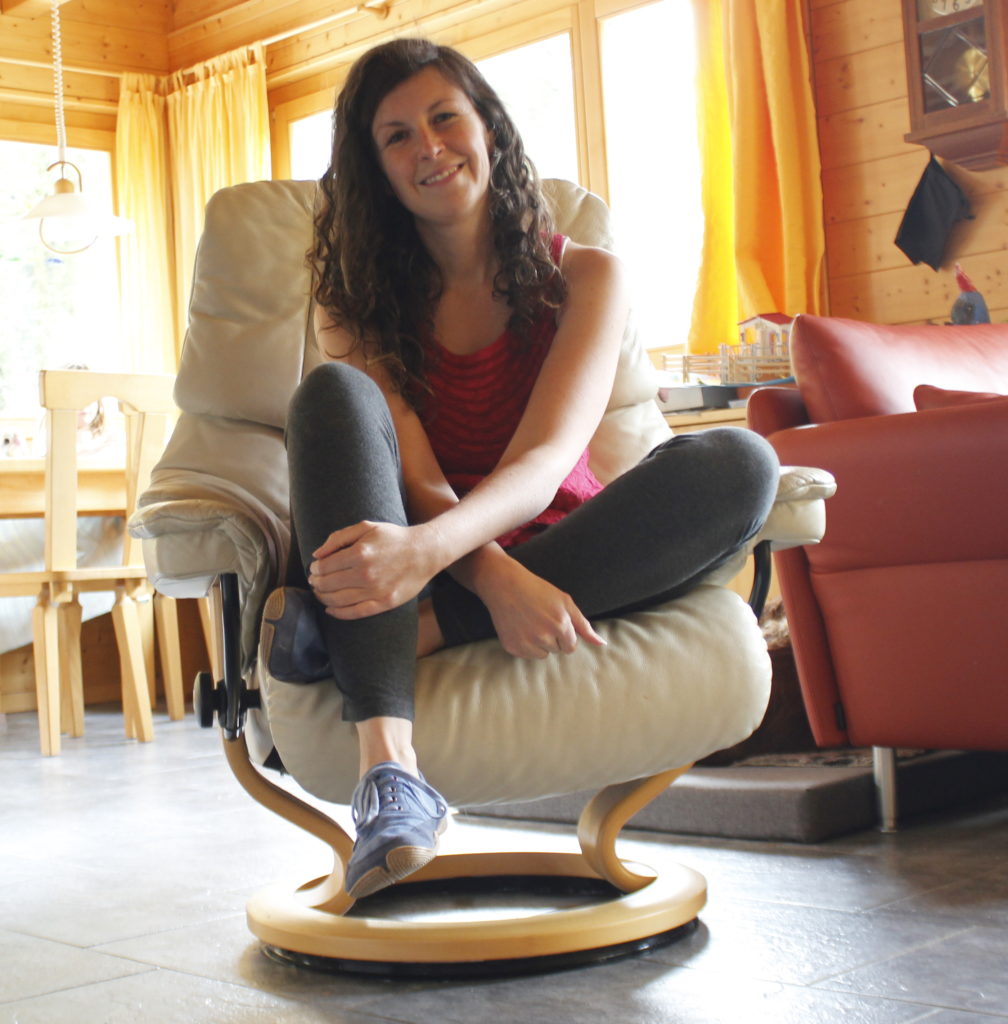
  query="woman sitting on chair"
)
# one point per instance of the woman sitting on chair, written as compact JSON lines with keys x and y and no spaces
{"x":440,"y":489}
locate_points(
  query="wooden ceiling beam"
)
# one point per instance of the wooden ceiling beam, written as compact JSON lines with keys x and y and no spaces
{"x":28,"y":8}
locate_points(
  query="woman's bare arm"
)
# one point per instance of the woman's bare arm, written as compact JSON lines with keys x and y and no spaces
{"x":370,"y":567}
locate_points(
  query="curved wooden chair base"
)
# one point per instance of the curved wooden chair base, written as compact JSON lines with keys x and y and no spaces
{"x":602,"y":927}
{"x":620,"y":907}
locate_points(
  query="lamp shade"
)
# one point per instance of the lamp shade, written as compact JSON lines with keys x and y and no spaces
{"x":77,"y":204}
{"x":69,"y":221}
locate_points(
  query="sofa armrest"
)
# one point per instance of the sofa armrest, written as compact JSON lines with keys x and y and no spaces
{"x":911,"y":488}
{"x":774,"y":408}
{"x":189,"y":542}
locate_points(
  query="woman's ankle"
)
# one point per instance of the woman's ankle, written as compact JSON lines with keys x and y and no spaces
{"x":386,"y":739}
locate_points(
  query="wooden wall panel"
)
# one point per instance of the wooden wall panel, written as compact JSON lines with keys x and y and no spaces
{"x":840,"y":29}
{"x":26,"y":94}
{"x":860,"y":79}
{"x":315,"y":29}
{"x":293,"y":62}
{"x":88,"y":42}
{"x":101,"y":39}
{"x":187,"y":12}
{"x":864,"y":134}
{"x":916,"y":294}
{"x":870,"y":172}
{"x":871,"y":188}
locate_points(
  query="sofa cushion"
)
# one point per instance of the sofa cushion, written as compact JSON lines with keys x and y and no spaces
{"x":927,"y":396}
{"x":847,"y":368}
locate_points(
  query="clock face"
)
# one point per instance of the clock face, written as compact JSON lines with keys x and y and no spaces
{"x":940,"y":7}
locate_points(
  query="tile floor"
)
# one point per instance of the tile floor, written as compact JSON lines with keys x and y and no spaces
{"x":124,"y":869}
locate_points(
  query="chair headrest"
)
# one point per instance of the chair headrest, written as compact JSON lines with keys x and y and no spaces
{"x":251,"y":334}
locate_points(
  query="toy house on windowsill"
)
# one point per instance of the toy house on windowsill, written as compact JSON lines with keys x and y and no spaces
{"x":762,"y":354}
{"x":769,"y":333}
{"x":763,"y":351}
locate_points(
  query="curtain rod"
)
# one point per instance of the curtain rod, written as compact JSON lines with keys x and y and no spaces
{"x":24,"y":62}
{"x":380,"y":8}
{"x":40,"y":100}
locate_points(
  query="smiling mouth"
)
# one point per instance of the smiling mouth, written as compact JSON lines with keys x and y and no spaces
{"x":436,"y":179}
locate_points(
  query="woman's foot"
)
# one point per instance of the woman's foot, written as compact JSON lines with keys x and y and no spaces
{"x":399,"y":818}
{"x":291,"y":644}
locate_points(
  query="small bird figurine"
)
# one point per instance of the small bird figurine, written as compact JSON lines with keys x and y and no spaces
{"x":970,"y":307}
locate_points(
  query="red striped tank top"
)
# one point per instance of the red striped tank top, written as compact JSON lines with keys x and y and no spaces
{"x":474,"y":408}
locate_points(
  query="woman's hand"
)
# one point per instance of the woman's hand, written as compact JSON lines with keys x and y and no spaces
{"x":369,"y":568}
{"x":533,"y":619}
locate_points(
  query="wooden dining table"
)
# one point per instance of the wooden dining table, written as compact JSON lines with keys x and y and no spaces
{"x":101,"y":488}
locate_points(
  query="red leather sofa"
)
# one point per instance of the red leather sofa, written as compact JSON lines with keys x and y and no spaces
{"x":899,"y":618}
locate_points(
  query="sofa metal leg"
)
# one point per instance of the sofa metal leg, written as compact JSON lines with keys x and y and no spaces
{"x":884,"y":770}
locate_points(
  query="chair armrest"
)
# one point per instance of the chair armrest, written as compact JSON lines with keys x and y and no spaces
{"x":189,"y":542}
{"x":912,"y":487}
{"x":798,"y":516}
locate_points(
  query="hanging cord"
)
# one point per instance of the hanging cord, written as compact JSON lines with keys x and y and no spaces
{"x":57,"y":48}
{"x":63,"y":185}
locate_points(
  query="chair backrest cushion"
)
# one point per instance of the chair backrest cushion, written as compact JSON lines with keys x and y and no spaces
{"x":849,"y":368}
{"x":251,"y":325}
{"x":249,"y":311}
{"x":250,"y":341}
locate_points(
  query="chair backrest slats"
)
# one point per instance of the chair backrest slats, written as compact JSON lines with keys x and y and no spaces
{"x":147,"y":405}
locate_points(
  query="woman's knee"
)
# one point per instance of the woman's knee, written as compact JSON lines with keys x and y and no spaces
{"x":752,"y":475}
{"x":727,"y":469}
{"x":330,"y":384}
{"x":757,"y":462}
{"x":335,"y":391}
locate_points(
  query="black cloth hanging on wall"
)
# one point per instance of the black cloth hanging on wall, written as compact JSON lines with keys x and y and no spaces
{"x":937,"y":203}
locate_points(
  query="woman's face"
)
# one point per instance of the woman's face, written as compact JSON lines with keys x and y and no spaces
{"x":434,"y":148}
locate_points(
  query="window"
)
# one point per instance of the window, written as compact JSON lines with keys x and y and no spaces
{"x":536,"y":86}
{"x":310,"y":146}
{"x":57,"y":310}
{"x":654,"y":163}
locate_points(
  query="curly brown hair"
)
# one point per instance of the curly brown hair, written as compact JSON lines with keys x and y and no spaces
{"x":371,"y":272}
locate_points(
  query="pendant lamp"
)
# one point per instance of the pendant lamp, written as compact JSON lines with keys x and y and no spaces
{"x":69,"y":220}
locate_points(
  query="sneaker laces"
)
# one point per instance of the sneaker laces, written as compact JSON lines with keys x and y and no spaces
{"x":389,"y":790}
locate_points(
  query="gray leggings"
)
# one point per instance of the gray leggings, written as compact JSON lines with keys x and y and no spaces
{"x":650,"y":535}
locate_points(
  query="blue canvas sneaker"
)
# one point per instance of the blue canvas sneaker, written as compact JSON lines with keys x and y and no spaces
{"x":291,"y":642}
{"x":398,"y":818}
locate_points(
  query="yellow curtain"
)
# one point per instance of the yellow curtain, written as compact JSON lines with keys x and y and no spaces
{"x":218,"y":127}
{"x":146,"y":263}
{"x":763,"y":239}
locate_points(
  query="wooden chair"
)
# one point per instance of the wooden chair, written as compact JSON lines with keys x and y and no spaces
{"x":146,"y":402}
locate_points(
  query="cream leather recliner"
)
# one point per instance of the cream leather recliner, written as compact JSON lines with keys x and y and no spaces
{"x":674,"y":683}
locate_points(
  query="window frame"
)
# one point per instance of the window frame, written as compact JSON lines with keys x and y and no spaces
{"x":478,"y":35}
{"x":96,"y":140}
{"x":306,"y":82}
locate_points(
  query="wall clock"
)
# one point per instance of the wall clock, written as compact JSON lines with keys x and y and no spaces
{"x":955,"y":55}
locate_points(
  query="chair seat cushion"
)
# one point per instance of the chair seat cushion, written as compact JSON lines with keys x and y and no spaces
{"x":674,"y":684}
